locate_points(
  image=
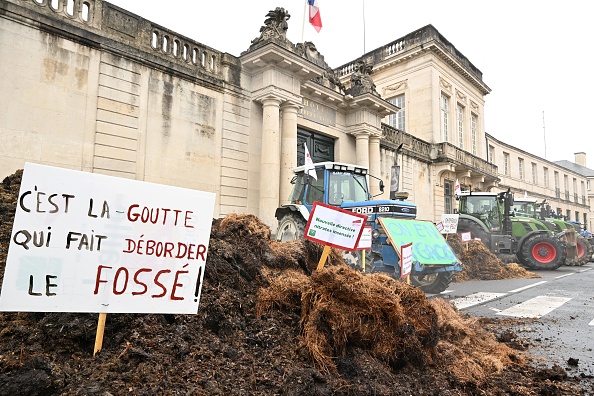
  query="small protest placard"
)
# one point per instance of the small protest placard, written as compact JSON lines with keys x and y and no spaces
{"x":439,"y":227}
{"x":334,"y":227}
{"x":449,"y":223}
{"x":406,"y":260}
{"x":465,"y":236}
{"x":85,"y":242}
{"x":365,"y":240}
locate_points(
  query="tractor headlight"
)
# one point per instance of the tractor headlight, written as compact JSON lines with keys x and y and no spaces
{"x":375,"y":234}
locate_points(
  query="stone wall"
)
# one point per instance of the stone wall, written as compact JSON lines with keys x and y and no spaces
{"x":89,"y":86}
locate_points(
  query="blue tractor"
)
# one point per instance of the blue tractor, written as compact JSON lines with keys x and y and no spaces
{"x":345,"y":186}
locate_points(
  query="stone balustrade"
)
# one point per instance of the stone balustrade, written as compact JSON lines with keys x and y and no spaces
{"x":115,"y":22}
{"x":415,"y":39}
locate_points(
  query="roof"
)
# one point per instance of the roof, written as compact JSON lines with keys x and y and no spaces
{"x":582,"y":170}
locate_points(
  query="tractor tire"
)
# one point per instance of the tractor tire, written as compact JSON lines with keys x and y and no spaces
{"x":584,"y":250}
{"x":432,"y":283}
{"x":542,"y":252}
{"x":475,"y":230}
{"x":355,"y":260}
{"x":291,"y":227}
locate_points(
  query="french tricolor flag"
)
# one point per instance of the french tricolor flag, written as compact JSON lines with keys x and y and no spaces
{"x":314,"y":15}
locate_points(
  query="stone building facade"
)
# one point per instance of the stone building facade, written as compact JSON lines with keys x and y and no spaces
{"x":90,"y":86}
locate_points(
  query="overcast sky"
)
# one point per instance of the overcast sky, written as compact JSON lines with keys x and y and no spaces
{"x":534,"y":55}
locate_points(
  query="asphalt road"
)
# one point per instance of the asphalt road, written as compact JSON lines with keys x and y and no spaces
{"x":555,"y":313}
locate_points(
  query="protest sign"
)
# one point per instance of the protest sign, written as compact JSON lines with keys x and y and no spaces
{"x":365,"y":240}
{"x":406,"y":260}
{"x":85,"y":242}
{"x":334,"y":227}
{"x":429,"y":247}
{"x":450,"y":223}
{"x":465,"y":236}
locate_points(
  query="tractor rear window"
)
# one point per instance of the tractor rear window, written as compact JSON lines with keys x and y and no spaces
{"x":346,"y":187}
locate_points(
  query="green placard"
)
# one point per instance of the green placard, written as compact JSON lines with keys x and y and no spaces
{"x":429,"y":246}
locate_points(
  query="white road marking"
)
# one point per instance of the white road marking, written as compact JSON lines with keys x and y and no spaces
{"x":563,"y":276}
{"x":475,"y":299}
{"x":535,"y":307}
{"x":591,"y":323}
{"x":527,"y":287}
{"x":584,"y":270}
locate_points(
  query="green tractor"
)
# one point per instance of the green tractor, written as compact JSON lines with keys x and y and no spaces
{"x":567,"y":231}
{"x":489,"y":217}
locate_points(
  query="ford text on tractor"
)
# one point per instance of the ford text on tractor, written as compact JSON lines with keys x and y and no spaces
{"x":567,"y":231}
{"x":345,"y":186}
{"x":489,"y":217}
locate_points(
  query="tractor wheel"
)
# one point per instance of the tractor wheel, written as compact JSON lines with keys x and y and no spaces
{"x":355,"y":260}
{"x":542,"y":252}
{"x":290,"y":228}
{"x":431,"y":283}
{"x":584,"y":250}
{"x":475,"y":230}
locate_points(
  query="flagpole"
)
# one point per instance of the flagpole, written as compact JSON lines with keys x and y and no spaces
{"x":363,"y":27}
{"x":303,"y":24}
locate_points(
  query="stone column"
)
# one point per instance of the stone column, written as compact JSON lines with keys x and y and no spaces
{"x":270,"y":161}
{"x":362,"y":149}
{"x":374,"y":163}
{"x":288,"y":150}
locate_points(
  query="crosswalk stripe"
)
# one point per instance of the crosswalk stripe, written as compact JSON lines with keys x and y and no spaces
{"x":475,"y":299}
{"x":535,"y":307}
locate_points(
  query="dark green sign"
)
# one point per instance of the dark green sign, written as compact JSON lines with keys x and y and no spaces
{"x":428,"y":247}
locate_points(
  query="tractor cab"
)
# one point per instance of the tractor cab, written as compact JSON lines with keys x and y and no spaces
{"x":485,"y":206}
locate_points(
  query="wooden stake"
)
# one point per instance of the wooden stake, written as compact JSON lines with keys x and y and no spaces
{"x":363,"y":260}
{"x":324,"y":257}
{"x":99,"y":335}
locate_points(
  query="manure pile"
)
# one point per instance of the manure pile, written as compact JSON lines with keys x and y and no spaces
{"x":479,"y":263}
{"x":268,"y":324}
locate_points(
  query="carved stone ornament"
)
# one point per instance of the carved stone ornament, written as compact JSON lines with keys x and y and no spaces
{"x":446,"y":86}
{"x":396,"y":87}
{"x":361,"y":81}
{"x":274,"y":30}
{"x":474,"y":106}
{"x":460,"y":96}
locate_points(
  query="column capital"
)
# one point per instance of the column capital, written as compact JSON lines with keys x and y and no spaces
{"x":291,"y":106}
{"x":270,"y":101}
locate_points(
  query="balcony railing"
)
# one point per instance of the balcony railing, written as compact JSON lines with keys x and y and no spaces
{"x":575,"y":198}
{"x":557,"y":193}
{"x":436,"y":152}
{"x":567,"y":195}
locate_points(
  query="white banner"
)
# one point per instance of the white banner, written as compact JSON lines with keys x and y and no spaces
{"x":84,"y":242}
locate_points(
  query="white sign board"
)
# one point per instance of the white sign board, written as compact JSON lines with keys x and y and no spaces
{"x":450,"y":223}
{"x":84,"y":242}
{"x":465,"y":236}
{"x":365,"y":241}
{"x":406,"y":259}
{"x":335,"y":227}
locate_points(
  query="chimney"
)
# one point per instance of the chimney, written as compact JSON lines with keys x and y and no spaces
{"x":580,"y":158}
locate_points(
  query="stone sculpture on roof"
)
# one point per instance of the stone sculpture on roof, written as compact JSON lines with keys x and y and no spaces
{"x":274,"y":30}
{"x":361,"y":81}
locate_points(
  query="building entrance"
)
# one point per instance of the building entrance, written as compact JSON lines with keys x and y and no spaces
{"x":321,"y":148}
